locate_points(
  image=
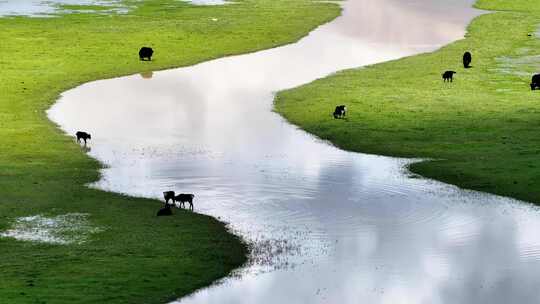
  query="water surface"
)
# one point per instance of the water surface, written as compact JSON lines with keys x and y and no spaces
{"x":41,"y":8}
{"x":328,"y":226}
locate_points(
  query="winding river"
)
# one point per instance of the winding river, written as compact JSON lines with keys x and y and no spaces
{"x":327,"y":226}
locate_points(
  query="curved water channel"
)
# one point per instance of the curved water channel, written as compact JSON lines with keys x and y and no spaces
{"x":328,"y":226}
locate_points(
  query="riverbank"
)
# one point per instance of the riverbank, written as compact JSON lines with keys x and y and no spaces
{"x":134,"y":257}
{"x":480,"y":130}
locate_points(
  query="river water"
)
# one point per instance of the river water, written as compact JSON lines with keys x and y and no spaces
{"x":327,"y":226}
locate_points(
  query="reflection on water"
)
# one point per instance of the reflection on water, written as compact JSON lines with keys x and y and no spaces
{"x":328,"y":226}
{"x":207,"y":2}
{"x":147,"y":75}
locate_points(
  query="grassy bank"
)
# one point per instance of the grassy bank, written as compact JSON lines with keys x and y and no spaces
{"x":482,"y":129}
{"x":136,"y":258}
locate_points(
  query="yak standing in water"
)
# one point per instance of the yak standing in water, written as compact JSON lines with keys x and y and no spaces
{"x":535,"y":82}
{"x":340,"y":112}
{"x":467,"y":59}
{"x":82,"y":135}
{"x":448,"y":76}
{"x":146,"y":52}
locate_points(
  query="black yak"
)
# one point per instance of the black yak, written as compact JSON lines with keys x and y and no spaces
{"x":535,"y":82}
{"x":165,"y":211}
{"x":82,"y":135}
{"x":184,"y":198}
{"x":467,"y":59}
{"x":146,"y":52}
{"x":448,"y":76}
{"x":168,"y":195}
{"x":340,"y":112}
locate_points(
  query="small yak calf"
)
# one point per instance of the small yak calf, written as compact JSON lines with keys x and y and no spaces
{"x":340,"y":112}
{"x":82,"y":135}
{"x":448,"y":76}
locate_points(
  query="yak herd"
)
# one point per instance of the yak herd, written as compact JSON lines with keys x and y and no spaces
{"x":145,"y":53}
{"x":448,"y":76}
{"x":181,"y":198}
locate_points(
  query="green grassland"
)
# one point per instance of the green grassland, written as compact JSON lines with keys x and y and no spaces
{"x":482,"y":131}
{"x":137,"y":258}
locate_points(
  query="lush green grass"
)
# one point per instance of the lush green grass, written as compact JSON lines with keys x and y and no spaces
{"x":138,"y":258}
{"x":483,"y":129}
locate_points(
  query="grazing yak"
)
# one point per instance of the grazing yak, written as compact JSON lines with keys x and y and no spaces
{"x":165,"y":211}
{"x":467,"y":59}
{"x":184,"y":198}
{"x":146,"y":52}
{"x":340,"y":112}
{"x":168,"y":195}
{"x":448,"y":76}
{"x":535,"y":82}
{"x":82,"y":135}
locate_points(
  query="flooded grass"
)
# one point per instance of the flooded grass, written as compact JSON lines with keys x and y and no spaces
{"x":38,"y":8}
{"x":71,"y":228}
{"x":138,"y":258}
{"x":91,"y":9}
{"x":482,"y":127}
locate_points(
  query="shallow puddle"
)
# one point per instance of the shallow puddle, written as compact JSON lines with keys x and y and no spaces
{"x":45,"y":8}
{"x":42,"y":8}
{"x":327,"y":226}
{"x":70,"y":228}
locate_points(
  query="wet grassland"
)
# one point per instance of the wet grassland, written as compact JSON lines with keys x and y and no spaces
{"x":130,"y":255}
